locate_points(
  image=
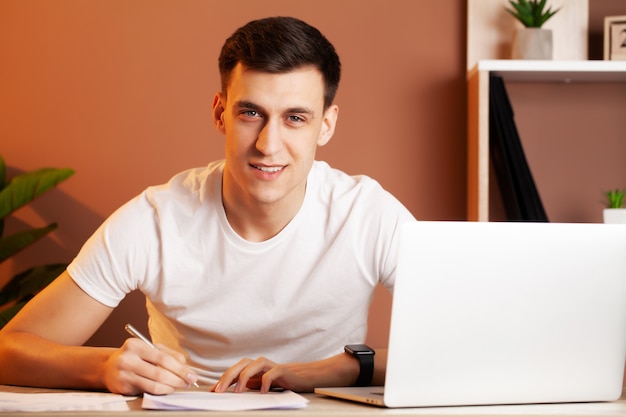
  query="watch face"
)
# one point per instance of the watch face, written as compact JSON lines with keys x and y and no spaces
{"x":359,"y":349}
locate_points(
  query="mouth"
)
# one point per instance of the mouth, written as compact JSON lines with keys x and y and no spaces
{"x":268,"y":169}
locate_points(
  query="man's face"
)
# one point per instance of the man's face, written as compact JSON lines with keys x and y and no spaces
{"x":273,"y":124}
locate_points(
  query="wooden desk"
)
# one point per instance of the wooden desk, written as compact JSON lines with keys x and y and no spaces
{"x":327,"y":407}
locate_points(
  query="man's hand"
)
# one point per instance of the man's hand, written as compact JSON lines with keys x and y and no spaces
{"x":43,"y":346}
{"x":264,"y":374}
{"x":136,"y":368}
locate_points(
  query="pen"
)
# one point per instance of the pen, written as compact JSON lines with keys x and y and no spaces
{"x":136,"y":333}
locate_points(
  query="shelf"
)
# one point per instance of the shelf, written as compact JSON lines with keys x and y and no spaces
{"x":535,"y":71}
{"x":553,"y":71}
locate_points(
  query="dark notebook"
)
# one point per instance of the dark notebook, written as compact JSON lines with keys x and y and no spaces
{"x":520,"y":197}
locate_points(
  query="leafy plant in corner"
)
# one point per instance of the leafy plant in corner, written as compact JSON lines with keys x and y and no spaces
{"x":615,"y":198}
{"x":17,"y":192}
{"x":531,"y":12}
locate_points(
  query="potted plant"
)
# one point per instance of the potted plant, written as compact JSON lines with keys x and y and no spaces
{"x":615,"y":211}
{"x":531,"y":41}
{"x":17,"y":192}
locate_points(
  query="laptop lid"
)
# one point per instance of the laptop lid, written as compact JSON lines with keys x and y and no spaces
{"x":505,"y":313}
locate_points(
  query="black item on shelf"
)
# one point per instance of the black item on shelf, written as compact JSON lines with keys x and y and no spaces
{"x":520,"y":197}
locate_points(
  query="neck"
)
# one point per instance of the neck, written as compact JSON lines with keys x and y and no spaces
{"x":257,"y":221}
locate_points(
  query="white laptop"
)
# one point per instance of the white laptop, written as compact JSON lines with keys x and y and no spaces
{"x":504,"y":313}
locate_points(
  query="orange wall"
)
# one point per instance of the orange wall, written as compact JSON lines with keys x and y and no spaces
{"x":577,"y":152}
{"x":121,"y":90}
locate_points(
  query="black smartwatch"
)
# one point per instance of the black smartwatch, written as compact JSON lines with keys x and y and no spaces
{"x":365,"y":356}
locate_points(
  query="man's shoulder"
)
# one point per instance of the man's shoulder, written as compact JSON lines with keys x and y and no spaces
{"x":338,"y":188}
{"x":329,"y":177}
{"x":186,"y":190}
{"x":198,"y":175}
{"x":191,"y":180}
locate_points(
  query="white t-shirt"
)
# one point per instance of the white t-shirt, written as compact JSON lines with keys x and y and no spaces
{"x":299,"y":296}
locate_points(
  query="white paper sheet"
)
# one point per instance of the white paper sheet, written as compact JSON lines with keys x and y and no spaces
{"x":63,"y":401}
{"x":227,"y":401}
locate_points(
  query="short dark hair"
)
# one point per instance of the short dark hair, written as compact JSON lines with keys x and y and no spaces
{"x":281,"y":44}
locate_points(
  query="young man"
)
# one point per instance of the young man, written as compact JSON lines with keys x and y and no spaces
{"x":257,"y":269}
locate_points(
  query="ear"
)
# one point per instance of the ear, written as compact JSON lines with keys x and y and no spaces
{"x":219,"y":107}
{"x":328,"y":125}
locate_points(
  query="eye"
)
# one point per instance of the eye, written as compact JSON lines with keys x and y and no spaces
{"x":250,"y":115}
{"x":294,"y":118}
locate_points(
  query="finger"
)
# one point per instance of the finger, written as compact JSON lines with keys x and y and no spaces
{"x":169,"y":365}
{"x":142,"y":384}
{"x":255,"y":368}
{"x":266,"y":381}
{"x":231,"y":375}
{"x":177,"y":363}
{"x":287,"y":376}
{"x":162,"y":365}
{"x":128,"y":372}
{"x":176,"y":354}
{"x":243,"y":374}
{"x":272,"y":375}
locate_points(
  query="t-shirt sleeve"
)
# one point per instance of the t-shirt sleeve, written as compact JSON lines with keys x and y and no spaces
{"x":395,"y":215}
{"x":379,"y":216}
{"x":120,"y":255}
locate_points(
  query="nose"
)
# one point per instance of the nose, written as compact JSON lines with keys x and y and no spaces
{"x":269,"y":139}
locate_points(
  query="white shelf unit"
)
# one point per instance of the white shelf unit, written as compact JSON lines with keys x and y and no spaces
{"x":478,"y":109}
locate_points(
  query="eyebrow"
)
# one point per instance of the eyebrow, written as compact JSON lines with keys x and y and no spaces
{"x":247,"y":105}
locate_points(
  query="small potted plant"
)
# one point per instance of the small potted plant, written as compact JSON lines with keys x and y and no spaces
{"x":615,"y":211}
{"x":531,"y":41}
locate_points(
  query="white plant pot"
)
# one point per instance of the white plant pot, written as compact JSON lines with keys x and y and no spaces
{"x":532,"y":43}
{"x":614,"y":215}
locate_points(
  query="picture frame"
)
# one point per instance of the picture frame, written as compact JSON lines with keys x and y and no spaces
{"x":615,"y":38}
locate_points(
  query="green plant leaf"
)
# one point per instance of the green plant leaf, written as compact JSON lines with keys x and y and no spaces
{"x":3,"y":173}
{"x":538,"y":10}
{"x":30,"y":282}
{"x":14,"y":194}
{"x":11,"y":245}
{"x":25,"y":187}
{"x":615,"y":198}
{"x":521,"y":11}
{"x":531,"y":12}
{"x":543,"y":18}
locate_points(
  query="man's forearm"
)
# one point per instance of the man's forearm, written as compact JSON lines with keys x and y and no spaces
{"x":380,"y":367}
{"x":30,"y":360}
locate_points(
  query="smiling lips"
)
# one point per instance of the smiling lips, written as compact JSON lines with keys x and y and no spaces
{"x":269,"y":170}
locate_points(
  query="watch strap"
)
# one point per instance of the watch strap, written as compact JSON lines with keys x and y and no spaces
{"x":365,"y":356}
